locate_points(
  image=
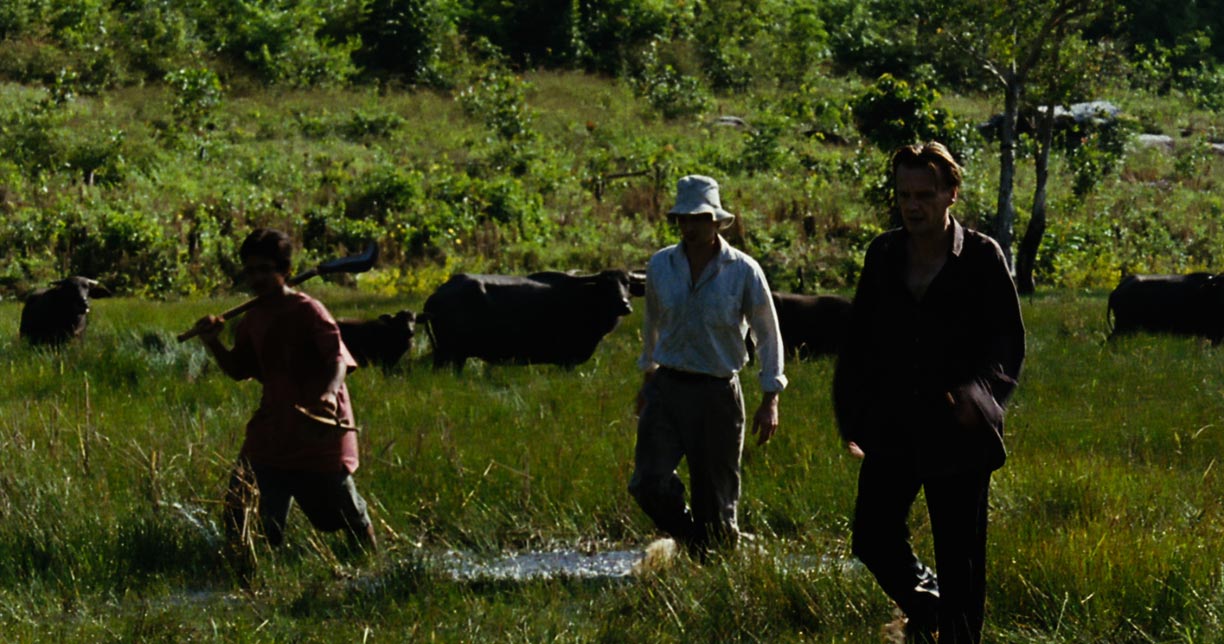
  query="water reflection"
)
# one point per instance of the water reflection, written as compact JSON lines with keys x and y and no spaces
{"x":549,"y":564}
{"x":569,"y":563}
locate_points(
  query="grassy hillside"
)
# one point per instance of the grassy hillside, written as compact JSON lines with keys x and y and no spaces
{"x":150,"y":188}
{"x":1105,"y":521}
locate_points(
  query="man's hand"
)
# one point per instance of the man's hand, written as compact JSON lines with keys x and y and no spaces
{"x":964,"y":411}
{"x":326,"y":406}
{"x":765,"y":421}
{"x":208,"y":327}
{"x":855,"y":450}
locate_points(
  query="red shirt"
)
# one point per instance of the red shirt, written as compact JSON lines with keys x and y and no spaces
{"x":291,"y":345}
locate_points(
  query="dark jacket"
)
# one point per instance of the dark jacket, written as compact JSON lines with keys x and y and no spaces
{"x":903,"y":357}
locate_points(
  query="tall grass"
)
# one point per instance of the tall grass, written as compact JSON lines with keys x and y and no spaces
{"x":1106,"y":521}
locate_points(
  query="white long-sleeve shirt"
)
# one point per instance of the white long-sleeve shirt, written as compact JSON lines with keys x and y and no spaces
{"x":698,"y":325}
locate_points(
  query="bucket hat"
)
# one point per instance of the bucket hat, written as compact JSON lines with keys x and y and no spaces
{"x":698,"y":195}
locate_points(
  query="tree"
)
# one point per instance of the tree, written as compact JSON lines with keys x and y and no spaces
{"x":1010,"y":40}
{"x":1070,"y":74}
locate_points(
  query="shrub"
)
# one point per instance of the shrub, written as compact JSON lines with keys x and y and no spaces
{"x":461,"y":205}
{"x":1205,"y":85}
{"x":1098,"y":154}
{"x":158,"y":36}
{"x":98,"y":157}
{"x":284,"y":41}
{"x":527,"y":31}
{"x":499,"y":98}
{"x":325,"y":231}
{"x":403,"y":38}
{"x":893,"y":112}
{"x":763,"y":149}
{"x":197,"y":94}
{"x":21,"y":16}
{"x":609,"y":30}
{"x":865,"y":40}
{"x":670,"y":92}
{"x":724,"y":32}
{"x":799,"y":42}
{"x":126,"y":250}
{"x":363,"y":124}
{"x":386,"y":189}
{"x":1192,"y":161}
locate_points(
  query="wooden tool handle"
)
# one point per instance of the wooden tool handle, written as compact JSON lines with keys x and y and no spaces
{"x":246,"y":306}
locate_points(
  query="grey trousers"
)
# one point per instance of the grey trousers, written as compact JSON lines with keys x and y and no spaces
{"x":701,"y":419}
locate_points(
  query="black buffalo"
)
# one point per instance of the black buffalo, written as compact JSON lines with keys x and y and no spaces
{"x":543,"y":318}
{"x":59,"y":313}
{"x":381,"y":341}
{"x":812,"y":325}
{"x":1182,"y":304}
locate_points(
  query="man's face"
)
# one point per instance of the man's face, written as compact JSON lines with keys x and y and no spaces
{"x":697,"y":230}
{"x":262,"y":275}
{"x":923,"y":200}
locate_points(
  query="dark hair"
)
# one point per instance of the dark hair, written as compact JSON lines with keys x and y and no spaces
{"x":268,"y":244}
{"x":931,"y":155}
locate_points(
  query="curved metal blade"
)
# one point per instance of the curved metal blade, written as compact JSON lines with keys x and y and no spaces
{"x":351,"y":264}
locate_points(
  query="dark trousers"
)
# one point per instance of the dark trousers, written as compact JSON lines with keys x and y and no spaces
{"x":329,"y":500}
{"x":701,"y":419}
{"x":955,"y":601}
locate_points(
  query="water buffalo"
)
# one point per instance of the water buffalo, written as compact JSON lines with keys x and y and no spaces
{"x":58,"y":314}
{"x":1183,"y":304}
{"x":812,"y":325}
{"x":548,"y":318}
{"x":381,"y":341}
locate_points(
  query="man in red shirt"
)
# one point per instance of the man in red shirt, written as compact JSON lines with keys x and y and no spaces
{"x":290,"y":343}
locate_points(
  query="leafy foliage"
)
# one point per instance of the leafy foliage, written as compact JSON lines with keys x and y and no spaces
{"x":671,"y":92}
{"x":894,"y":112}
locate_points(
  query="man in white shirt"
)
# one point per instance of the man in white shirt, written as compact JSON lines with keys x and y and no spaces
{"x":702,"y":295}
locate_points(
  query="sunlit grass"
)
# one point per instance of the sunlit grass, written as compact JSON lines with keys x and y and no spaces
{"x":1106,"y":521}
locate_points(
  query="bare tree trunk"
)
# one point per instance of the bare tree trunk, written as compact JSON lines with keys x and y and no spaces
{"x":1005,"y":215}
{"x":1026,"y":255}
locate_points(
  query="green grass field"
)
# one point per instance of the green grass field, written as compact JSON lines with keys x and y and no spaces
{"x":1106,"y":522}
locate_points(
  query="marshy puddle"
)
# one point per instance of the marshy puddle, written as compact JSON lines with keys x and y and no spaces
{"x":589,"y":563}
{"x":549,"y":564}
{"x":566,"y":563}
{"x":608,"y":566}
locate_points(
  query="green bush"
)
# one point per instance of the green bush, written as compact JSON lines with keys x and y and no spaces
{"x":893,"y":112}
{"x":27,"y":139}
{"x":1097,"y":153}
{"x":21,"y":16}
{"x":865,"y":40}
{"x":498,"y":97}
{"x":725,"y":31}
{"x":610,"y":31}
{"x":98,"y":157}
{"x":127,"y":251}
{"x":798,"y":43}
{"x":404,"y":38}
{"x":1205,"y":85}
{"x":285,"y":41}
{"x":158,"y":37}
{"x":763,"y":149}
{"x":197,"y":94}
{"x":672,"y":93}
{"x":527,"y":31}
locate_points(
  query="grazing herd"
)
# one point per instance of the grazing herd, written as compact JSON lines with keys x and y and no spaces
{"x":560,"y":318}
